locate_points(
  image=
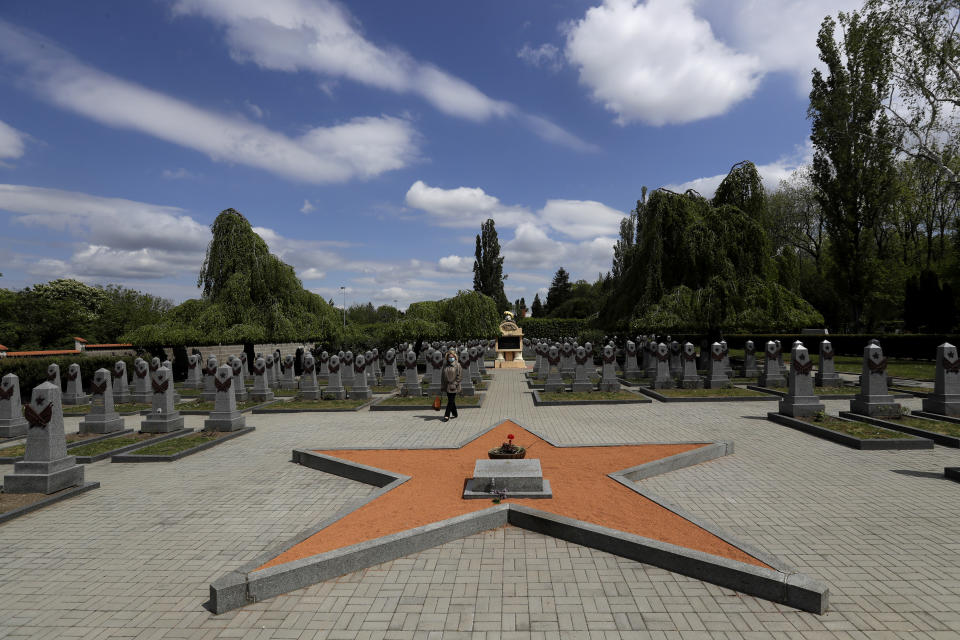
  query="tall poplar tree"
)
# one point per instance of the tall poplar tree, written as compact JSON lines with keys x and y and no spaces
{"x":854,"y":142}
{"x":488,"y":266}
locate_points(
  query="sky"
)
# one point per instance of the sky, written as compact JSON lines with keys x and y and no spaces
{"x":366,"y":142}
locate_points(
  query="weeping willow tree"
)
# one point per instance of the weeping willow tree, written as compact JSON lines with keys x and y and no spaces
{"x":248,"y":296}
{"x":699,"y":265}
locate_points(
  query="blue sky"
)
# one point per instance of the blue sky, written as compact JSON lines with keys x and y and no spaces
{"x":366,"y":142}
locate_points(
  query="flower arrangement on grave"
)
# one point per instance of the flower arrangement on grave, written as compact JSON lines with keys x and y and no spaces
{"x":507,"y":450}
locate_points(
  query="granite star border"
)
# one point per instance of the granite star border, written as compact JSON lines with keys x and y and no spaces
{"x":781,"y":583}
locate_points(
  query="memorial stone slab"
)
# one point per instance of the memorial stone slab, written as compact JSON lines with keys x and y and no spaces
{"x":334,"y":386}
{"x":389,"y":369}
{"x":309,"y":388}
{"x":772,"y":375}
{"x":261,"y":391}
{"x":717,"y":374}
{"x":164,"y":416}
{"x":368,"y":368}
{"x":726,"y":359}
{"x":346,"y":369}
{"x":689,"y":378}
{"x":12,"y":422}
{"x":46,"y":468}
{"x":874,"y":399}
{"x":466,"y":386}
{"x":750,"y":369}
{"x":581,"y":378}
{"x":663,"y":379}
{"x":209,"y":393}
{"x":566,"y":359}
{"x":141,"y":381}
{"x":651,"y":370}
{"x":475,"y":358}
{"x":271,"y":365}
{"x":608,"y":380}
{"x":676,"y":360}
{"x":121,"y":385}
{"x":102,"y":417}
{"x":631,"y":369}
{"x":945,"y":399}
{"x":74,"y":394}
{"x":374,"y":364}
{"x":827,"y":375}
{"x":225,"y":416}
{"x":411,"y":381}
{"x":554,"y":382}
{"x":360,"y":388}
{"x":800,"y":401}
{"x":239,"y":386}
{"x":324,"y":370}
{"x":436,"y":373}
{"x":53,"y":375}
{"x":245,"y":366}
{"x":288,"y":380}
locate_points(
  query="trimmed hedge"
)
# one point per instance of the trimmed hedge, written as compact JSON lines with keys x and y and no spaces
{"x":33,"y":371}
{"x":552,"y":328}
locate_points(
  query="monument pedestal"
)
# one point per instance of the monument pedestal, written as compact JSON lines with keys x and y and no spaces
{"x":518,"y":478}
{"x":44,"y":477}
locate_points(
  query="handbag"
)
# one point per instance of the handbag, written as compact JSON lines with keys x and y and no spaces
{"x":436,"y":403}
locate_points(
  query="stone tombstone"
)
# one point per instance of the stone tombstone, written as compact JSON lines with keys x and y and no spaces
{"x":651,"y":370}
{"x":643,"y":355}
{"x":389,"y":378}
{"x":375,"y":363}
{"x":309,"y":388}
{"x":567,"y":364}
{"x":225,"y":415}
{"x":689,"y":378}
{"x":141,"y":381}
{"x":750,"y":369}
{"x":436,"y":373}
{"x":772,"y":375}
{"x":780,"y":356}
{"x":466,"y":385}
{"x":103,"y":418}
{"x":288,"y":378}
{"x":527,"y":349}
{"x":261,"y":391}
{"x":239,"y":386}
{"x":581,"y":377}
{"x":167,"y":364}
{"x":334,"y":386}
{"x":121,"y":385}
{"x":277,"y":358}
{"x":46,"y":467}
{"x":209,"y":393}
{"x":874,"y":399}
{"x":945,"y":399}
{"x":360,"y":388}
{"x":74,"y":394}
{"x":800,"y":401}
{"x":538,"y":368}
{"x":53,"y":375}
{"x":164,"y":416}
{"x":554,"y":381}
{"x":609,"y":381}
{"x":271,"y":372}
{"x":154,"y":364}
{"x":411,"y":381}
{"x":346,"y":369}
{"x":371,"y":376}
{"x":12,"y":422}
{"x":826,"y":374}
{"x":481,"y":364}
{"x":631,"y":369}
{"x":717,"y":373}
{"x":475,"y":357}
{"x":676,"y":360}
{"x":324,"y":370}
{"x":244,"y":366}
{"x":663,"y":379}
{"x":194,"y":372}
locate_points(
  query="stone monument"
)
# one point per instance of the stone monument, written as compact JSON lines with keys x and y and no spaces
{"x":346,"y":369}
{"x":411,"y":381}
{"x":121,"y":386}
{"x":102,"y":418}
{"x":510,"y":344}
{"x":12,"y":422}
{"x":466,"y":385}
{"x":874,"y":399}
{"x":141,"y":382}
{"x":827,"y":375}
{"x":717,"y":374}
{"x":581,"y":377}
{"x":74,"y":394}
{"x":209,"y":392}
{"x":360,"y":388}
{"x":800,"y":401}
{"x":289,"y":376}
{"x":164,"y":416}
{"x":239,"y":386}
{"x":436,"y":373}
{"x":261,"y":391}
{"x":608,"y":380}
{"x":334,"y":381}
{"x":554,"y":383}
{"x":389,"y":378}
{"x":663,"y":379}
{"x":750,"y":369}
{"x":945,"y":399}
{"x":772,"y":375}
{"x":309,"y":389}
{"x":225,"y":416}
{"x":689,"y":378}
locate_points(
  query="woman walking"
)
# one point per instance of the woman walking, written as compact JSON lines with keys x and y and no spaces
{"x":452,"y":376}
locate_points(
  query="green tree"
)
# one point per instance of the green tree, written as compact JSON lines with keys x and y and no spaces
{"x":853,"y":144}
{"x":488,"y":266}
{"x":536,"y":307}
{"x":559,"y":291}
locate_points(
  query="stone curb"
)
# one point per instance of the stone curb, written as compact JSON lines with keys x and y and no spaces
{"x":67,"y":493}
{"x":246,"y":585}
{"x":132,"y":412}
{"x":279,"y":410}
{"x":939,"y":438}
{"x":915,"y":394}
{"x":663,"y":398}
{"x":537,"y":402}
{"x":850,"y":441}
{"x":105,"y":436}
{"x":936,"y":416}
{"x":136,"y":445}
{"x":197,"y":412}
{"x":379,"y":406}
{"x":783,"y":394}
{"x":134,"y":457}
{"x":952,"y":473}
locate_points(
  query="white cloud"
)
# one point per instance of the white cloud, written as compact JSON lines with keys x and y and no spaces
{"x":657,"y":62}
{"x":771,"y":173}
{"x":11,"y":142}
{"x":363,"y":147}
{"x":321,"y":36}
{"x":531,"y":248}
{"x":546,"y":56}
{"x":307,"y":207}
{"x":456,"y":264}
{"x":256,"y":111}
{"x":581,"y":218}
{"x":177,"y":174}
{"x":463,"y":206}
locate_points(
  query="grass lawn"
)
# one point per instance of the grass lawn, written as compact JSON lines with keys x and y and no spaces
{"x":18,"y":449}
{"x":102,"y":446}
{"x":855,"y":429}
{"x":126,"y":407}
{"x":285,"y":393}
{"x":427,"y":401}
{"x":186,"y":393}
{"x":383,"y":389}
{"x":937,"y":426}
{"x":708,"y":393}
{"x":208,"y":406}
{"x":176,"y":445}
{"x":898,"y":368}
{"x":319,"y":404}
{"x":820,"y":391}
{"x":588,"y":396}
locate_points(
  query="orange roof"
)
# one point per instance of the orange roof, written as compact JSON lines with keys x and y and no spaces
{"x":80,"y":340}
{"x":65,"y":352}
{"x":118,"y":344}
{"x":2,"y":348}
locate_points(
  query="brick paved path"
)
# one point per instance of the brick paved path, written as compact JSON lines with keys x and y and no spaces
{"x":134,"y":558}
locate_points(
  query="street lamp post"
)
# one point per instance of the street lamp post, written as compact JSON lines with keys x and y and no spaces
{"x":344,"y":290}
